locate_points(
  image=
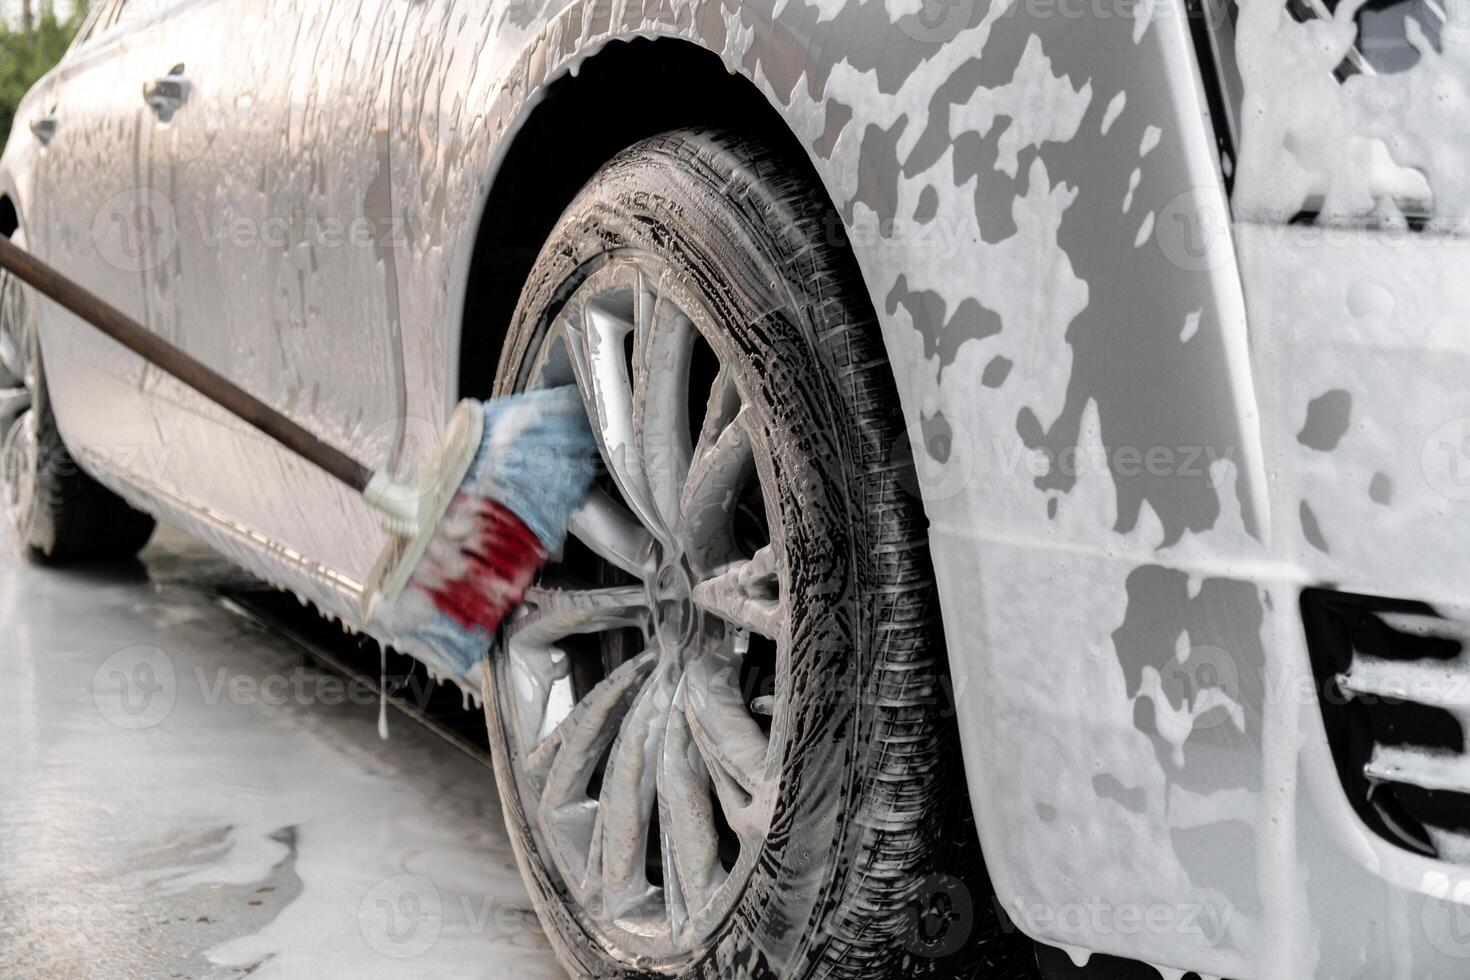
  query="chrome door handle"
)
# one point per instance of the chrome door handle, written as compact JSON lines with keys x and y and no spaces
{"x":165,"y":95}
{"x":43,"y":128}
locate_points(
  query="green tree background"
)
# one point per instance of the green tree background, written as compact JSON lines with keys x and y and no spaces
{"x":27,"y":55}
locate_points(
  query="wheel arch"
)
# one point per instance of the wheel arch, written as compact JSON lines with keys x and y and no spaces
{"x":563,"y":137}
{"x":572,"y":129}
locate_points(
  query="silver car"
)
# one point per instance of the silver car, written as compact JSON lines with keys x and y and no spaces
{"x":1032,"y":427}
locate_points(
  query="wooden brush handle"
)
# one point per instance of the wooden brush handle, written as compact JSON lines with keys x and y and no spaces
{"x":166,"y":357}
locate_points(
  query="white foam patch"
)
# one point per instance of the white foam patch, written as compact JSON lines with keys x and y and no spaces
{"x":1114,"y":110}
{"x":1145,"y":231}
{"x":1043,"y":108}
{"x":900,"y":8}
{"x":1350,"y":150}
{"x":1143,"y":15}
{"x":1151,"y":137}
{"x":1175,"y":725}
{"x":1191,"y":326}
{"x":1061,"y":672}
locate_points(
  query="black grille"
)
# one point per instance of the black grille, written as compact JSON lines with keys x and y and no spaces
{"x":1394,"y":679}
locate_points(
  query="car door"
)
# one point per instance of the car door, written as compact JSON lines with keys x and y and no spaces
{"x":265,"y":138}
{"x":92,"y":217}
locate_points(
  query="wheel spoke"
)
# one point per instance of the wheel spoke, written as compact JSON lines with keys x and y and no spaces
{"x":721,"y":407}
{"x":716,"y":478}
{"x":15,"y":331}
{"x":569,"y":757}
{"x":629,"y":795}
{"x":18,"y":467}
{"x":745,"y":594}
{"x":12,"y":358}
{"x":596,"y":345}
{"x":549,"y":614}
{"x":613,"y":533}
{"x":13,"y":401}
{"x":731,"y":744}
{"x":18,"y":381}
{"x":664,"y":349}
{"x":535,"y":677}
{"x":591,"y":880}
{"x":676,"y":904}
{"x":692,"y":868}
{"x":581,"y":730}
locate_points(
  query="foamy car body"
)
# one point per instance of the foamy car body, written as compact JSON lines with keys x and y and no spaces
{"x":1146,"y":417}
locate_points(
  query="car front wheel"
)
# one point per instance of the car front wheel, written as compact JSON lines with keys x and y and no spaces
{"x":716,"y":720}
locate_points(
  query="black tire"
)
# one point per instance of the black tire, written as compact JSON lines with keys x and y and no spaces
{"x":68,"y":517}
{"x":866,"y":799}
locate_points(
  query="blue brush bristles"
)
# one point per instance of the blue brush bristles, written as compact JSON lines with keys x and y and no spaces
{"x":535,"y":465}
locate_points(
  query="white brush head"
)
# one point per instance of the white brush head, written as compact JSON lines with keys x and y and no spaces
{"x":413,"y":514}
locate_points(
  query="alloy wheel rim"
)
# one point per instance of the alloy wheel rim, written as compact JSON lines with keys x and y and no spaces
{"x":649,"y":778}
{"x":19,"y":452}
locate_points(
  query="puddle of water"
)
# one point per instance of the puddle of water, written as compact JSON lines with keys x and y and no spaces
{"x":184,"y":795}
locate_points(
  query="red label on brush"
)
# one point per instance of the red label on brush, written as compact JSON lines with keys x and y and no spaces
{"x":498,"y":557}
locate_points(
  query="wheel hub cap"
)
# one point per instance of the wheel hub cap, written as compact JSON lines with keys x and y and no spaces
{"x":673,"y":604}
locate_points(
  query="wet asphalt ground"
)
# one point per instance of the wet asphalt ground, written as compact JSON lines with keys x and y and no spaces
{"x":186,"y":792}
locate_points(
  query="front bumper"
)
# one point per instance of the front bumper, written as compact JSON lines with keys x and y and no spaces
{"x":1141,"y":721}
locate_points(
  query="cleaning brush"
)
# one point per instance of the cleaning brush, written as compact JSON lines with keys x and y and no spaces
{"x":510,"y":474}
{"x":465,"y":540}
